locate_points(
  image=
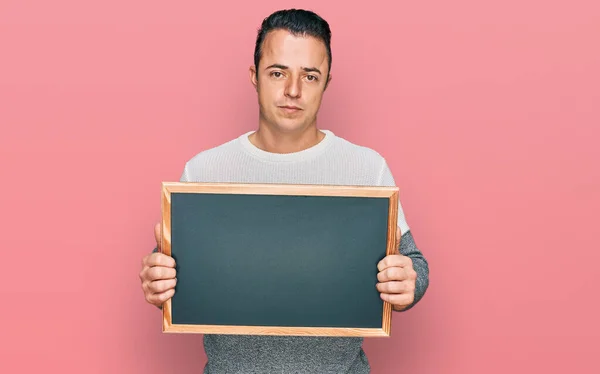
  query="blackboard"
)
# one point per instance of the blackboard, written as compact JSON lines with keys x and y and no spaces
{"x":269,"y":259}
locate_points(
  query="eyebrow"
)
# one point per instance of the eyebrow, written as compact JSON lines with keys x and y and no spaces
{"x":283,"y":67}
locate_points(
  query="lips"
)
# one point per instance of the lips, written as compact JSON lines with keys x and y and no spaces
{"x":290,"y":107}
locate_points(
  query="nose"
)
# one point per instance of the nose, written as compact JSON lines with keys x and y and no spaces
{"x":293,"y":87}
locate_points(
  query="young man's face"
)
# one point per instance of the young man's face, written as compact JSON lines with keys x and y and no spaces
{"x":292,"y":76}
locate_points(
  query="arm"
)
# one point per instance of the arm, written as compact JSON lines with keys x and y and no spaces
{"x":416,"y":260}
{"x":409,"y":248}
{"x":158,"y":274}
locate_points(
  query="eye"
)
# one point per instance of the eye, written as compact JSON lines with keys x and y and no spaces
{"x":312,"y":78}
{"x":276,"y":74}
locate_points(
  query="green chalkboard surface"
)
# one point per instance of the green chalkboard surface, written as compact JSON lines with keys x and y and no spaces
{"x":277,"y":259}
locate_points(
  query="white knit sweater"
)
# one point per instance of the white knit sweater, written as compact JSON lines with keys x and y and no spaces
{"x":333,"y":161}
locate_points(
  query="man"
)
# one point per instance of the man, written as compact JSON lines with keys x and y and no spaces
{"x":291,"y":71}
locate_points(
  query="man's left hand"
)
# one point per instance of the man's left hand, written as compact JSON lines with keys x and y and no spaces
{"x":397,"y":279}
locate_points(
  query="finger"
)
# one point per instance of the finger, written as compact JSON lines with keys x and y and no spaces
{"x":394,"y":260}
{"x":159,"y":298}
{"x":395,"y":287}
{"x":398,"y":237}
{"x":161,"y":286}
{"x":157,"y":235}
{"x":160,"y":273}
{"x":159,"y":259}
{"x":398,"y":299}
{"x":392,"y":274}
{"x":145,"y":261}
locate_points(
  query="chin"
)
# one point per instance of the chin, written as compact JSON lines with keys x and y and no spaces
{"x":289,"y":126}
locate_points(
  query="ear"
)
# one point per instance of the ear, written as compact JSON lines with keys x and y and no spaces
{"x":253,"y":80}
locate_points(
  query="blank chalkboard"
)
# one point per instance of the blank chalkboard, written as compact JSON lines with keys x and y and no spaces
{"x":277,"y":259}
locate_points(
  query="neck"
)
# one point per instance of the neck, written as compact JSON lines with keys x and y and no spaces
{"x":270,"y":140}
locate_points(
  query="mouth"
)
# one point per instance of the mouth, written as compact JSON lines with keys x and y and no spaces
{"x":290,"y":108}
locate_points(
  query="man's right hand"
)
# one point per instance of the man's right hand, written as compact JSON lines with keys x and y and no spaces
{"x":158,"y":274}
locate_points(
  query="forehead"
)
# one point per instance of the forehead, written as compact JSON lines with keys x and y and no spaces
{"x":282,"y":47}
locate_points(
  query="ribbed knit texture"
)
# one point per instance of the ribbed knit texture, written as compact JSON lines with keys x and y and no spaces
{"x":333,"y":161}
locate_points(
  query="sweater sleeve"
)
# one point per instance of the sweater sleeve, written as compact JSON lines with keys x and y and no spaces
{"x":408,"y":246}
{"x":386,"y":179}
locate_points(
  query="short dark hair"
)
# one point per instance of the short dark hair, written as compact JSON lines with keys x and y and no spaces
{"x":297,"y":22}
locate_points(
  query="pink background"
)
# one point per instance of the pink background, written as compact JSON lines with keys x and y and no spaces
{"x":486,"y":111}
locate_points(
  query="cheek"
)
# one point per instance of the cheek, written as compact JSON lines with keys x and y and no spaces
{"x":314,"y":100}
{"x":270,"y":93}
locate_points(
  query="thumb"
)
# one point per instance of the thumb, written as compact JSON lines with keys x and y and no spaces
{"x":398,"y":238}
{"x":157,"y":235}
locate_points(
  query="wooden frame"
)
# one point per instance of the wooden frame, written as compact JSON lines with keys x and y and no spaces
{"x":390,"y":193}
